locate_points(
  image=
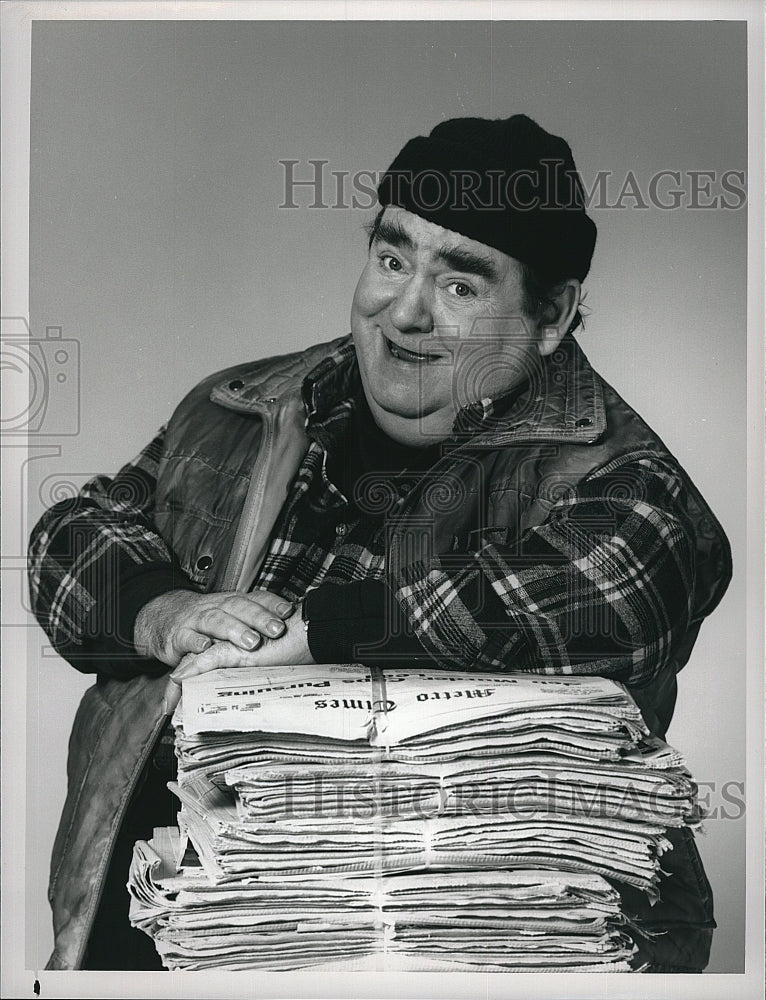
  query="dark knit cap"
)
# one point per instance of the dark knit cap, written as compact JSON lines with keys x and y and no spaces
{"x":504,"y":182}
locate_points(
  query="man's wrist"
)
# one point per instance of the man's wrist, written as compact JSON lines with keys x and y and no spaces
{"x":358,"y":621}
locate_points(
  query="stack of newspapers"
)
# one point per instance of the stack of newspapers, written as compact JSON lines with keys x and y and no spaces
{"x":344,"y":817}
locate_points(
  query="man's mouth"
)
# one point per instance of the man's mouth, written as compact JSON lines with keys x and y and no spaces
{"x":403,"y":354}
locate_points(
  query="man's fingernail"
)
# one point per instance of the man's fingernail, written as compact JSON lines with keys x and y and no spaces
{"x":249,"y":640}
{"x":275,"y":628}
{"x":283,"y":608}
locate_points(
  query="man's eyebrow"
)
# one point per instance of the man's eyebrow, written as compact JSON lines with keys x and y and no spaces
{"x":393,"y":233}
{"x":461,"y":259}
{"x":458,"y":258}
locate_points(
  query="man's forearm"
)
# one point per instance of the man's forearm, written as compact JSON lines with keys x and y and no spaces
{"x":95,"y":559}
{"x":596,"y":589}
{"x":109,"y":636}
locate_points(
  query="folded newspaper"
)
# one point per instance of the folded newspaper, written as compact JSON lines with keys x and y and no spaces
{"x":336,"y":783}
{"x":350,"y":702}
{"x":489,"y":921}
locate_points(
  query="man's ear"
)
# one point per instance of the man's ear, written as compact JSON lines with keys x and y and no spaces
{"x":558,"y":316}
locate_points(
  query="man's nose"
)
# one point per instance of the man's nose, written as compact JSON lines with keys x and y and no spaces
{"x":410,"y":311}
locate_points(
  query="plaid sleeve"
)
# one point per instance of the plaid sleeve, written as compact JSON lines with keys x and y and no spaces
{"x":88,"y":552}
{"x":603,"y":586}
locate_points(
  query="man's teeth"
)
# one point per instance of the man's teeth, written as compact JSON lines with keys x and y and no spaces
{"x":404,"y":355}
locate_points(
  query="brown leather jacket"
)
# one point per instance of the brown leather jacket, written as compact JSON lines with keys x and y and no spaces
{"x":250,"y":419}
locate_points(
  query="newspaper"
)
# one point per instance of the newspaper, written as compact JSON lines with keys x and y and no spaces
{"x":350,"y":702}
{"x":432,"y":769}
{"x":499,"y":921}
{"x":518,"y":783}
{"x":231,"y":847}
{"x":344,"y":818}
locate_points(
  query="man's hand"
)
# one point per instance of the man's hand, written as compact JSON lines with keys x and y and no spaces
{"x":290,"y":648}
{"x":181,"y":622}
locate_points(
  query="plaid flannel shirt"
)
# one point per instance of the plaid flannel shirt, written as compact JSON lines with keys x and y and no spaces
{"x":578,"y":593}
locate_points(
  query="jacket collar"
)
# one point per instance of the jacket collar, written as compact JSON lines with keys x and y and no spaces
{"x":563,"y":402}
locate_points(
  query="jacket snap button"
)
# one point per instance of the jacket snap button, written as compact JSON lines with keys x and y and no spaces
{"x":236,"y":385}
{"x":204,"y":562}
{"x":583,"y":422}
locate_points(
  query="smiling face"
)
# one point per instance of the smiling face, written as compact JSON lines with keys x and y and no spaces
{"x":438,"y":321}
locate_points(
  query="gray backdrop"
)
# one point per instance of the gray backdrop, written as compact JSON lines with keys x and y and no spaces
{"x":158,"y":244}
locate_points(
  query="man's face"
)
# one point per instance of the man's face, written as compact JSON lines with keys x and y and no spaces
{"x":438,"y":322}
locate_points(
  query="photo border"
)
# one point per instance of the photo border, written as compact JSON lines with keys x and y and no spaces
{"x":16,"y":19}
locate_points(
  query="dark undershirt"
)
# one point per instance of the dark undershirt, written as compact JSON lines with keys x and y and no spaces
{"x":346,"y":619}
{"x":367,"y":449}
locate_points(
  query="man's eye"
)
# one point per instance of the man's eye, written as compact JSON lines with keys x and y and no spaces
{"x":390,"y":263}
{"x":460,"y":289}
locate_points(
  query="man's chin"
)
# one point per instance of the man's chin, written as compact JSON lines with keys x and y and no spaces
{"x":409,"y":423}
{"x":399,"y":404}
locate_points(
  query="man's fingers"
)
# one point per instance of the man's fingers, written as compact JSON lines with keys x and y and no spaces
{"x":272,"y":602}
{"x":260,"y":615}
{"x":193,"y":642}
{"x":195,"y":620}
{"x":220,"y":654}
{"x":220,"y":624}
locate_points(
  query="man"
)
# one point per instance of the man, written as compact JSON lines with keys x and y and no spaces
{"x":452,"y":485}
